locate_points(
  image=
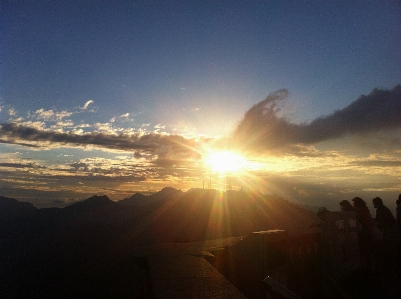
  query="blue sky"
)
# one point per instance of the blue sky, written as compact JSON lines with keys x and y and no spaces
{"x":94,"y":70}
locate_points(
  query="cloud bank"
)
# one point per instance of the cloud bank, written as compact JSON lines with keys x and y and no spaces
{"x":263,"y":129}
{"x":152,"y":143}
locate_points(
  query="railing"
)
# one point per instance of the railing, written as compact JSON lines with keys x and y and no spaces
{"x":304,"y":264}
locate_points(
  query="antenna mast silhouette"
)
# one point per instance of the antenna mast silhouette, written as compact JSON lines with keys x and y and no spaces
{"x":209,"y":183}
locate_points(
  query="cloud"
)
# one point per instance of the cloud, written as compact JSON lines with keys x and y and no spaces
{"x":104,"y":127}
{"x":39,"y":125}
{"x":263,"y":129}
{"x":87,"y":104}
{"x":44,"y":114}
{"x":67,"y":123}
{"x":137,"y":155}
{"x":51,"y":115}
{"x":80,"y":166}
{"x":62,"y":114}
{"x":377,"y":163}
{"x":378,"y":111}
{"x":21,"y":165}
{"x":19,"y":143}
{"x":152,"y":143}
{"x":159,"y":126}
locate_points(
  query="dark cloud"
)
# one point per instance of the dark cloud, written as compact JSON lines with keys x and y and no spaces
{"x":21,"y":165}
{"x":93,"y":180}
{"x":164,"y":162}
{"x":16,"y":134}
{"x":378,"y":111}
{"x":263,"y":129}
{"x":18,"y":143}
{"x":137,"y":155}
{"x":80,"y":166}
{"x":307,"y":151}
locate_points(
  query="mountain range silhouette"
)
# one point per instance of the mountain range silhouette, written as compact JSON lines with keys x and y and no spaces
{"x":86,"y":249}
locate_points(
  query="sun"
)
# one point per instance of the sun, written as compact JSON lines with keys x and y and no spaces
{"x":225,"y":161}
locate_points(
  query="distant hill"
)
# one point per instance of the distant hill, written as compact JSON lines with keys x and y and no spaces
{"x":11,"y":203}
{"x":86,"y":248}
{"x":139,"y":199}
{"x":10,"y":207}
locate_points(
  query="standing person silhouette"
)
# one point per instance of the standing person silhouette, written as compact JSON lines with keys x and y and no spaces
{"x":386,"y":223}
{"x":398,"y":216}
{"x":363,"y":213}
{"x":367,"y":245}
{"x":384,"y":218}
{"x":346,"y":206}
{"x":398,"y":219}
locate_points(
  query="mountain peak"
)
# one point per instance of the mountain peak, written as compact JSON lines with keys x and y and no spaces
{"x":167,"y":192}
{"x":139,"y":199}
{"x":6,"y":202}
{"x":95,"y":199}
{"x":92,"y":202}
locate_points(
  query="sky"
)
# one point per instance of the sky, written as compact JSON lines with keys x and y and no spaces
{"x":118,"y":97}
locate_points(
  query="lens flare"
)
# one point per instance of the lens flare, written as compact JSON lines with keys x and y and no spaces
{"x":225,"y":161}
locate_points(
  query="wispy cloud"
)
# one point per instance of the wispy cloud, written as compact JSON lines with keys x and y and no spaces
{"x":11,"y":112}
{"x":62,"y":114}
{"x":378,"y":163}
{"x":87,"y":104}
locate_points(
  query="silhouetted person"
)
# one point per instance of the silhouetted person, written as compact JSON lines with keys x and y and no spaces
{"x":384,"y":218}
{"x":346,"y":206}
{"x":363,"y":213}
{"x":398,"y":216}
{"x":322,"y":215}
{"x":386,"y":223}
{"x":367,"y":246}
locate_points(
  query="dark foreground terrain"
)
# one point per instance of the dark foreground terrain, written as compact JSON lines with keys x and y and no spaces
{"x":86,"y":249}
